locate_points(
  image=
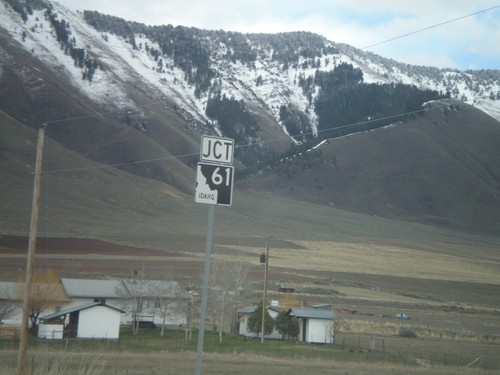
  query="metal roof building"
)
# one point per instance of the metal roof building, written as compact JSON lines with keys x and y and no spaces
{"x":311,"y":313}
{"x":315,"y":325}
{"x":90,"y":320}
{"x":89,"y":288}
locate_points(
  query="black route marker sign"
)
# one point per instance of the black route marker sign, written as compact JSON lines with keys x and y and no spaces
{"x":214,"y":184}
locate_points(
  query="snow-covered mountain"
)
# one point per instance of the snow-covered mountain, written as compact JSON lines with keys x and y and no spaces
{"x":265,"y":81}
{"x":138,"y":98}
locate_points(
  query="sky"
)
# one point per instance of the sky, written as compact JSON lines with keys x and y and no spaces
{"x":460,"y":34}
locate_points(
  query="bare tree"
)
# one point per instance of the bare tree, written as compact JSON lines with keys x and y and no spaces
{"x":7,"y":309}
{"x":227,"y":278}
{"x":46,"y":292}
{"x":134,"y":292}
{"x":331,"y":327}
{"x":169,"y":299}
{"x":145,"y":298}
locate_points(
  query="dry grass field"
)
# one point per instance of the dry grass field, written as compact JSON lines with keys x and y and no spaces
{"x":215,"y":364}
{"x":452,"y":301}
{"x":448,"y":281}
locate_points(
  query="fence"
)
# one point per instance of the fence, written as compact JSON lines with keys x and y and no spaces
{"x":10,"y":332}
{"x":357,"y":347}
{"x":415,"y":352}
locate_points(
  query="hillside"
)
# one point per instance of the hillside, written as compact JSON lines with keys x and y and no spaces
{"x":132,"y":101}
{"x":439,"y":167}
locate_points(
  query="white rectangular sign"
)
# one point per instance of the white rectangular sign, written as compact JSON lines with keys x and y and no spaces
{"x":217,"y":150}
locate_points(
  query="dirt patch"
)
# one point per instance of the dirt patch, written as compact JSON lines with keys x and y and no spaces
{"x":73,"y":246}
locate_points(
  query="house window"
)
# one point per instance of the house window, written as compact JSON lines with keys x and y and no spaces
{"x":101,"y":300}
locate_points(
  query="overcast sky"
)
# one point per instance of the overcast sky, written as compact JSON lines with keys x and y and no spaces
{"x":450,"y":37}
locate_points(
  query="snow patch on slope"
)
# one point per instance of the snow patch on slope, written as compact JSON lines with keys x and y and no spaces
{"x":265,"y":84}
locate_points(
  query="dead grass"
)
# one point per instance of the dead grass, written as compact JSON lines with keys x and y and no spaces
{"x":213,"y":364}
{"x":382,"y":260}
{"x":422,"y":331}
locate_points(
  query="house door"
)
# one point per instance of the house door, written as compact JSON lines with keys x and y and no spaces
{"x":304,"y":328}
{"x":72,"y":327}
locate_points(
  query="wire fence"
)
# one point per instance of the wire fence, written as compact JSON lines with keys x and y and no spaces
{"x":355,"y":347}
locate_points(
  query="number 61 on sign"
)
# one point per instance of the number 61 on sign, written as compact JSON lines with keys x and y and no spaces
{"x":214,"y":184}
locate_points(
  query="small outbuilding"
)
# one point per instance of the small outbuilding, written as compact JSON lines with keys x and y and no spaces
{"x":315,"y":325}
{"x":90,"y":320}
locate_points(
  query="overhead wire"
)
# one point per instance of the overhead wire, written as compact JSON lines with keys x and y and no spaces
{"x":430,"y":27}
{"x":180,"y":156}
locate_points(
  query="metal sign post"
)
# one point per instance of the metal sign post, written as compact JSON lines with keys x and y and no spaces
{"x":204,"y":291}
{"x":214,"y":185}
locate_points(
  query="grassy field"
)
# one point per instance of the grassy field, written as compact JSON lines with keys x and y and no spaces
{"x":446,"y":279}
{"x":148,"y":353}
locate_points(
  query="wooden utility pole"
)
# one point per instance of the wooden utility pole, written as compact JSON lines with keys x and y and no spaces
{"x":264,"y":294}
{"x":23,"y":344}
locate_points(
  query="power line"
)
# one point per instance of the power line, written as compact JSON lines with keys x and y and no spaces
{"x":430,"y":27}
{"x":101,"y":166}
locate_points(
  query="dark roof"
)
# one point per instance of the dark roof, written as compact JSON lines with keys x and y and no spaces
{"x":77,"y":308}
{"x":251,"y":309}
{"x":311,"y":313}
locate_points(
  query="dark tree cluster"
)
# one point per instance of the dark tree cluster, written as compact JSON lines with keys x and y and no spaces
{"x":287,"y":326}
{"x":184,"y":45}
{"x":25,"y":8}
{"x":297,"y":124}
{"x":237,"y":123}
{"x":112,"y":24}
{"x":233,"y":119}
{"x":289,"y":47}
{"x":297,"y":158}
{"x":190,"y":48}
{"x":346,"y":105}
{"x":239,"y":48}
{"x":81,"y":59}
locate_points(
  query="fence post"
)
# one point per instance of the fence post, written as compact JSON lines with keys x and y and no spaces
{"x":32,"y":369}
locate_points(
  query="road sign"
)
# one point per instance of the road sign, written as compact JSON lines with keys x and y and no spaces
{"x":214,"y":184}
{"x":216,"y":149}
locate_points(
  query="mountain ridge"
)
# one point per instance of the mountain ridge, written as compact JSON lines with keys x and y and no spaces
{"x":136,"y":98}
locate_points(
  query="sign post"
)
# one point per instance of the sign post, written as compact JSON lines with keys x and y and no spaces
{"x":214,"y":185}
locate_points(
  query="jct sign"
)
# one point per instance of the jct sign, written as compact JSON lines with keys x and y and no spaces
{"x":218,"y":150}
{"x":214,"y":181}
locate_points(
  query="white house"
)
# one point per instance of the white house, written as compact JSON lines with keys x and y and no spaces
{"x":92,"y":320}
{"x":11,"y":311}
{"x":315,"y":325}
{"x":151,"y":301}
{"x":156,"y":301}
{"x":245,"y":313}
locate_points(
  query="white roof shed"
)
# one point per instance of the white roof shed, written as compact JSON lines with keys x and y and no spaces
{"x":90,"y":320}
{"x":316,"y":325}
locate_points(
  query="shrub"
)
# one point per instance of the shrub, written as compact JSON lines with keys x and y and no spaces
{"x":407,"y":332}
